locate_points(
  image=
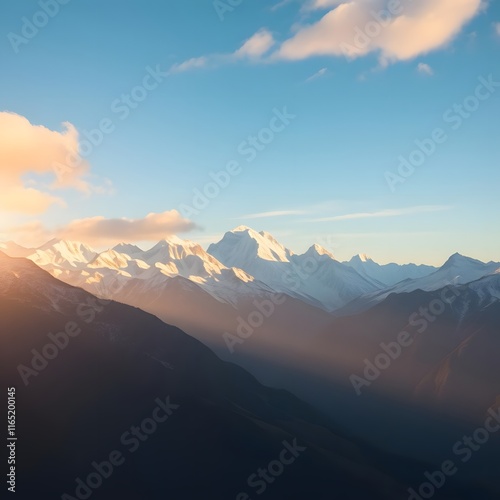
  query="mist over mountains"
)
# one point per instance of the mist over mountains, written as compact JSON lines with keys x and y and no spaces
{"x":117,"y":368}
{"x":253,"y":301}
{"x":245,"y":263}
{"x":413,"y":347}
{"x":117,"y":354}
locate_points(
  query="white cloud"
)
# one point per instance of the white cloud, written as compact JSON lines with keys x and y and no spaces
{"x":254,"y":48}
{"x":397,"y":212}
{"x":318,"y":74}
{"x":395,"y":31}
{"x":425,"y":69}
{"x":279,"y":5}
{"x":193,"y":63}
{"x":257,"y":45}
{"x":497,"y":28}
{"x":27,"y":150}
{"x":351,"y":28}
{"x":102,"y":231}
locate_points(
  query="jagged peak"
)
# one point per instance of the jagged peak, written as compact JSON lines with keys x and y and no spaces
{"x":246,"y":241}
{"x":361,"y":257}
{"x":319,"y":250}
{"x":459,"y":259}
{"x":168,"y":241}
{"x":126,"y":247}
{"x":70,"y":244}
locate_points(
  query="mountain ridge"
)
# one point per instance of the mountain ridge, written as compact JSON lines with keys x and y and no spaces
{"x":249,"y":263}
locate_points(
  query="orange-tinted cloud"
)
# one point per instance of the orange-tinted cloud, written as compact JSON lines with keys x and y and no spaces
{"x":33,"y":149}
{"x":413,"y":29}
{"x":396,"y":30}
{"x":100,"y":231}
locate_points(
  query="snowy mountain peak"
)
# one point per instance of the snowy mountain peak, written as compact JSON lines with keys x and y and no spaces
{"x":317,"y":250}
{"x":59,"y":251}
{"x":243,"y":245}
{"x":459,"y":260}
{"x":73,"y":246}
{"x":127,"y":248}
{"x":256,"y":235}
{"x":361,"y":257}
{"x":183,"y":257}
{"x":170,"y":240}
{"x":173,"y":248}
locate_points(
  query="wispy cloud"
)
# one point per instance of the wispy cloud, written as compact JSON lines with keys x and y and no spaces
{"x":277,"y":213}
{"x":496,"y":26}
{"x":425,"y":69}
{"x":410,"y":30}
{"x":252,"y":49}
{"x":256,"y":46}
{"x":281,"y":4}
{"x":321,"y":208}
{"x":394,"y":212}
{"x":193,"y":63}
{"x":318,"y":74}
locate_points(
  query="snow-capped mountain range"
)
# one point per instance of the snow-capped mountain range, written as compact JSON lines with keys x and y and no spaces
{"x":246,"y":263}
{"x":389,"y":274}
{"x":80,"y":265}
{"x":315,"y":276}
{"x":457,"y":270}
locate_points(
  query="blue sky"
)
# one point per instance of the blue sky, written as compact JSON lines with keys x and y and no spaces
{"x":321,"y":178}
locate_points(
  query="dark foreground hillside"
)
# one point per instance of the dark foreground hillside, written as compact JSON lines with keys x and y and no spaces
{"x":123,"y":406}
